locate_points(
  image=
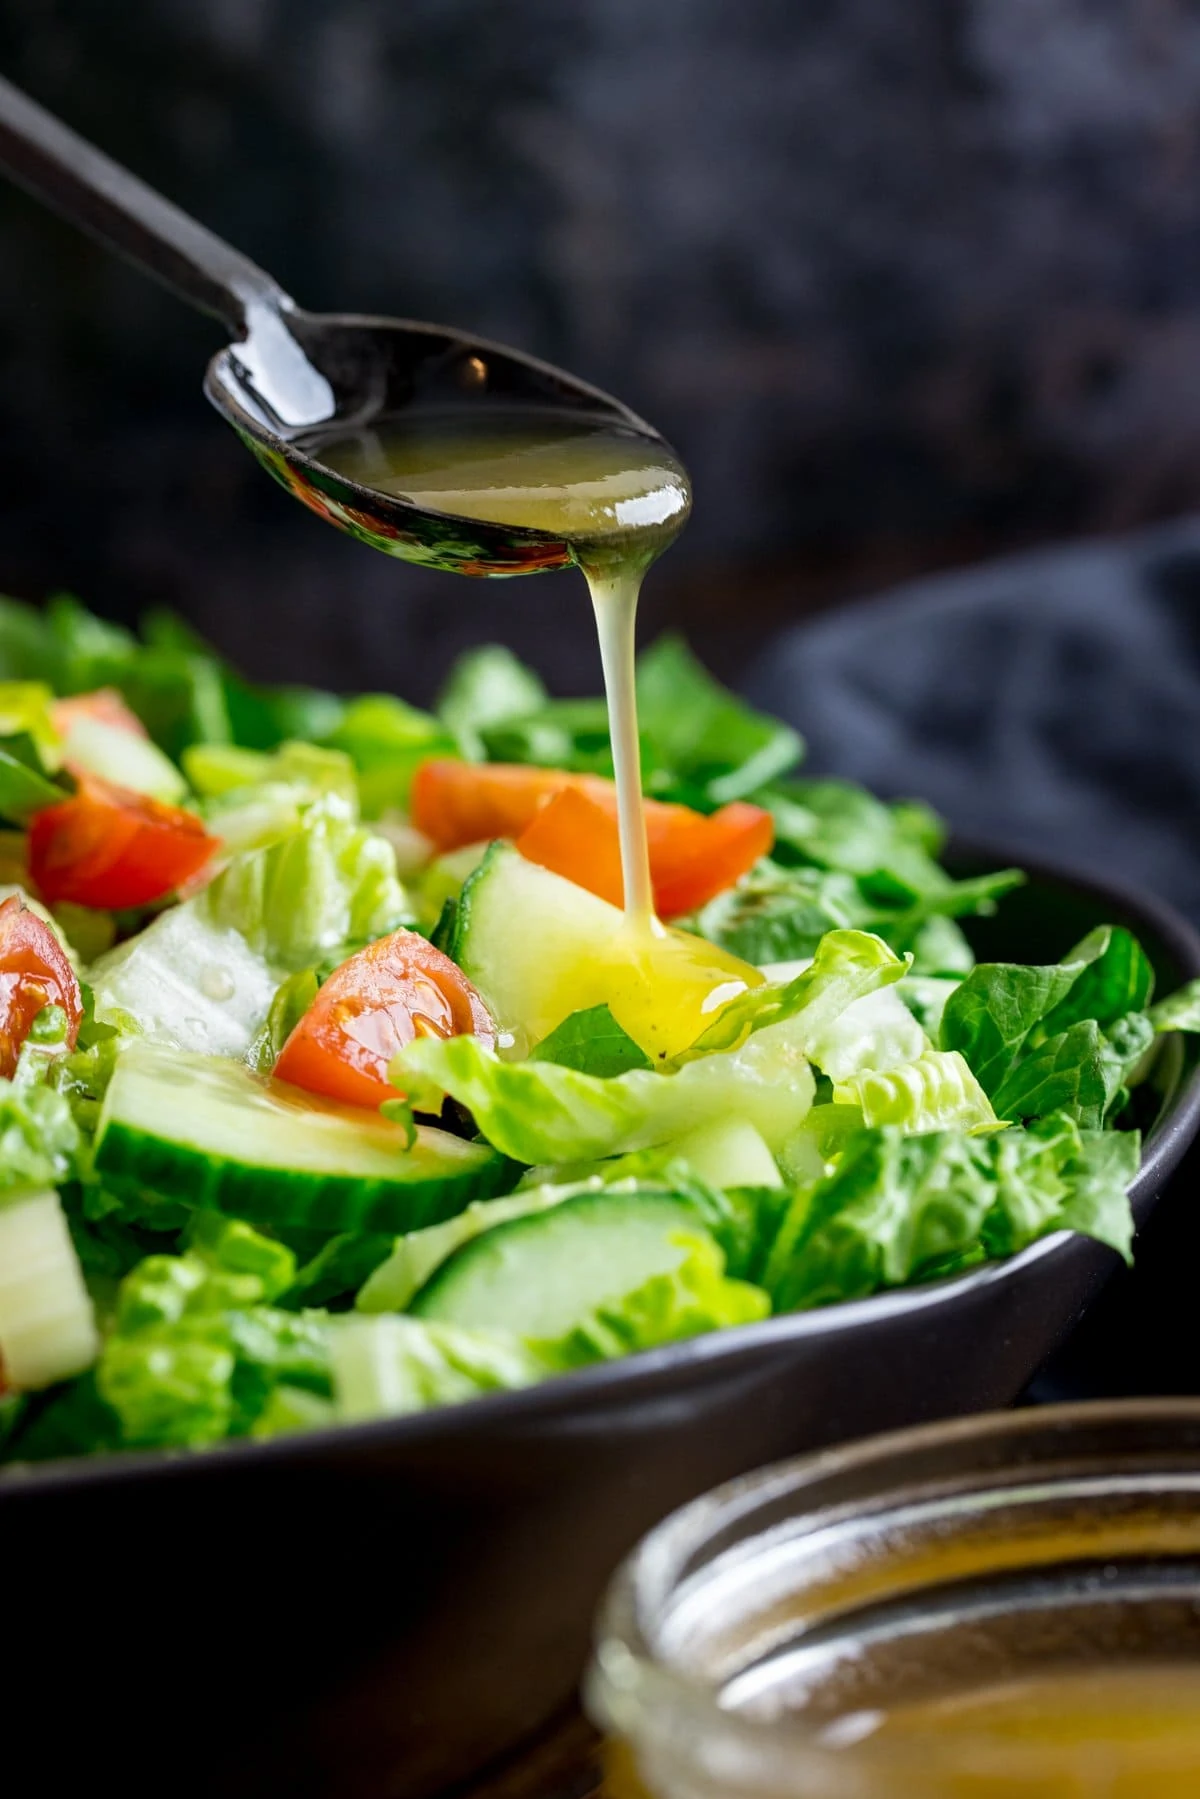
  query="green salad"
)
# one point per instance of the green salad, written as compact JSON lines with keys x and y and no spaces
{"x":335,"y":1085}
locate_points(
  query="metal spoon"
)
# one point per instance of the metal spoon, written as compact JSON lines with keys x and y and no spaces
{"x":291,"y":375}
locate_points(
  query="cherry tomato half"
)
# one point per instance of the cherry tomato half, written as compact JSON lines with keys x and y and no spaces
{"x":375,"y":1003}
{"x":34,"y":972}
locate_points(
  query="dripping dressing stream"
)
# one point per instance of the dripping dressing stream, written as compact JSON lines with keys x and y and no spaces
{"x":614,"y":601}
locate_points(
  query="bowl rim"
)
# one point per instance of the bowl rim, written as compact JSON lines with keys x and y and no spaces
{"x":627,"y":1378}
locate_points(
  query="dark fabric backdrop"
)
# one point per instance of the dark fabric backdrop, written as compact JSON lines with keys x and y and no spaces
{"x":908,"y":284}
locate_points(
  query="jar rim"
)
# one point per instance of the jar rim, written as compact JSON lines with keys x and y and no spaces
{"x":630,"y":1679}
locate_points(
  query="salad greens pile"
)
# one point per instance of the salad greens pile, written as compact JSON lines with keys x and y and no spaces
{"x":192,"y":1250}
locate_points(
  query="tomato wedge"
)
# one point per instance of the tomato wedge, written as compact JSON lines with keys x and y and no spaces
{"x":568,"y":823}
{"x":34,"y":972}
{"x":108,"y":847}
{"x":389,"y":993}
{"x":104,"y":704}
{"x":455,"y":803}
{"x":575,"y":837}
{"x":692,"y":857}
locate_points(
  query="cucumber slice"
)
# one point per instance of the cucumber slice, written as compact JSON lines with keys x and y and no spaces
{"x":123,"y":758}
{"x":202,"y":1131}
{"x":531,"y":942}
{"x":728,"y":1153}
{"x":188,"y":983}
{"x":47,"y":1325}
{"x":539,"y":948}
{"x":538,"y":1276}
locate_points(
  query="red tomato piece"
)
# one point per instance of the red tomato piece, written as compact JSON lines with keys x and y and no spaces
{"x":692,"y":857}
{"x":108,"y":847}
{"x":573,"y":836}
{"x":375,"y":1003}
{"x":568,"y":823}
{"x":34,"y":972}
{"x":691,"y":864}
{"x":104,"y":704}
{"x":455,"y":803}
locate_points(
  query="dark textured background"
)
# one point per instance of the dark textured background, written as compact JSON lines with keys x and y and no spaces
{"x":908,"y":285}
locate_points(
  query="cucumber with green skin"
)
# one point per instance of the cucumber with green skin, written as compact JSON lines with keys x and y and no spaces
{"x":528,"y":939}
{"x":124,"y":758}
{"x":539,"y":1275}
{"x":202,"y":1131}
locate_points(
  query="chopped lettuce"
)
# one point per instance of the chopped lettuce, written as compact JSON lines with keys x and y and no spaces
{"x":847,"y":966}
{"x":541,"y":1112}
{"x":329,"y":886}
{"x":197,"y":1349}
{"x":936,"y":1092}
{"x":291,"y":1001}
{"x":779,"y":914}
{"x":898,"y":1208}
{"x":387,"y":741}
{"x":1179,"y":1012}
{"x":386,"y":1367}
{"x":188,"y":981}
{"x":40,"y":1142}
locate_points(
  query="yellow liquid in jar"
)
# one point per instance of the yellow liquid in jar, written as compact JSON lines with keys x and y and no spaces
{"x":1128,"y":1732}
{"x":617,"y":498}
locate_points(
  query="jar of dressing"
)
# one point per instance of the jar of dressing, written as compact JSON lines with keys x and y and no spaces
{"x":1006,"y":1606}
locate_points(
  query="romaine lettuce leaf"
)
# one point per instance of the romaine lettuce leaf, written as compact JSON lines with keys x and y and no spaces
{"x":387,"y":741}
{"x":187,"y":980}
{"x":900,"y":1208}
{"x":215,"y":769}
{"x":540,"y":1112}
{"x":386,"y":1367}
{"x":779,"y":914}
{"x":292,"y":999}
{"x":334,"y":1270}
{"x":40,"y":1143}
{"x":329,"y":886}
{"x":197,"y":1349}
{"x":847,"y":966}
{"x":1180,"y":1011}
{"x":936,"y":1092}
{"x":873,"y":1034}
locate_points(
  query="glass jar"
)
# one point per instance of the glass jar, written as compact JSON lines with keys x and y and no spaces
{"x":1008,"y":1605}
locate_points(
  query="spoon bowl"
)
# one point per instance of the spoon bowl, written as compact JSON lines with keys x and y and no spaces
{"x":292,"y":379}
{"x":373,"y":369}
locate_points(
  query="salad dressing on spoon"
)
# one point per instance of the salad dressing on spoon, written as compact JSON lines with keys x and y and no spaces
{"x":617,"y":498}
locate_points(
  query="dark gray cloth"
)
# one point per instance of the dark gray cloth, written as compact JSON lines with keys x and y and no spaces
{"x":1048,"y":702}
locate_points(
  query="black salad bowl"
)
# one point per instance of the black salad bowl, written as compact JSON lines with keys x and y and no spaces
{"x":376,"y":1612}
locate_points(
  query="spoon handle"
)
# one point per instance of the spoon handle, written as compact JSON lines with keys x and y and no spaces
{"x":87,"y":187}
